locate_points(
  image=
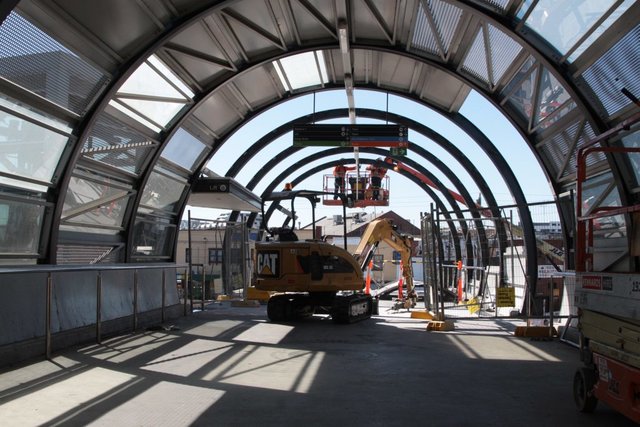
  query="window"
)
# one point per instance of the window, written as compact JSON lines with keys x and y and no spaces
{"x":153,"y":95}
{"x":336,"y":264}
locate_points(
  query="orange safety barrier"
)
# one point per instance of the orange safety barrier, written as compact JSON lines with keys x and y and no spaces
{"x":367,"y":287}
{"x":400,"y":294}
{"x":459,"y":281}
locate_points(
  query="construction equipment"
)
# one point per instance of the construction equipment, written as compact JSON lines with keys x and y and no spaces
{"x":382,"y":230}
{"x":608,"y":317}
{"x":314,"y":275}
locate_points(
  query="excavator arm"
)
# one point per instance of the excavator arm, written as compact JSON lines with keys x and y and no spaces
{"x":383,"y":230}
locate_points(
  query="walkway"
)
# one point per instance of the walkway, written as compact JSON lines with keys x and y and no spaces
{"x":229,"y":367}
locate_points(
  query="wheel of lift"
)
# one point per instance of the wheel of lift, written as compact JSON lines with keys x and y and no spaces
{"x":583,"y":382}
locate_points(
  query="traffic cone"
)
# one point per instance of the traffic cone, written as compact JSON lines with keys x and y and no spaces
{"x":367,"y":287}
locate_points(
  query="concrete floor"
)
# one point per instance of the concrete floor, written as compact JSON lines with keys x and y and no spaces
{"x":229,"y":367}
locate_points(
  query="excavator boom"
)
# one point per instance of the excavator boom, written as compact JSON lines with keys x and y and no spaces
{"x":383,"y":230}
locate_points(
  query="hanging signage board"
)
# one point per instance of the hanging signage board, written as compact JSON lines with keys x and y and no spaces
{"x":327,"y":135}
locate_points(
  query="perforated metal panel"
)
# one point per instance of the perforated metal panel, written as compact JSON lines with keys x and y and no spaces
{"x":33,"y":60}
{"x":615,"y":70}
{"x":75,"y":254}
{"x":557,"y":148}
{"x":504,"y":50}
{"x":445,"y":21}
{"x":499,"y":5}
{"x":560,"y":149}
{"x":475,"y":63}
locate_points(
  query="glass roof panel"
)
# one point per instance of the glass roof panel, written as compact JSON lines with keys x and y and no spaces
{"x":159,"y":112}
{"x":94,"y":203}
{"x":552,"y":95}
{"x":423,"y":37}
{"x":563,"y":23}
{"x":20,"y":223}
{"x":146,"y":81}
{"x":302,"y":70}
{"x":28,"y":150}
{"x":183,"y":149}
{"x":162,"y":192}
{"x":152,"y":237}
{"x":135,"y":116}
{"x":446,"y":16}
{"x":601,"y":29}
{"x":522,"y":98}
{"x":168,"y":74}
{"x":155,"y":93}
{"x":27,"y":110}
{"x":115,"y":144}
{"x":615,"y":72}
{"x":633,"y":141}
{"x":504,"y":50}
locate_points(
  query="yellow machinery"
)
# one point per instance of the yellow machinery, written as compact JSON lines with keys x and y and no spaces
{"x":383,"y":230}
{"x":312,"y":274}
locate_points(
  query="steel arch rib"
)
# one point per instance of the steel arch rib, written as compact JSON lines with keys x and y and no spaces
{"x":429,"y":191}
{"x":412,"y":163}
{"x":255,"y":148}
{"x":337,"y":151}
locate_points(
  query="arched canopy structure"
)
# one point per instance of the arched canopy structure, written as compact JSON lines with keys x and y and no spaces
{"x":110,"y":112}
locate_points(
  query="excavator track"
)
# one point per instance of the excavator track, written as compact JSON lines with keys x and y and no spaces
{"x":351,"y":308}
{"x":288,"y":307}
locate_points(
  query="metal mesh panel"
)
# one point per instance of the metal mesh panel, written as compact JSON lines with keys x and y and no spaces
{"x":475,"y":63}
{"x":38,"y":63}
{"x":587,"y":135}
{"x":76,"y":254}
{"x":423,"y":38}
{"x":446,"y":18}
{"x":615,"y":70}
{"x":113,"y":143}
{"x":556,"y":148}
{"x":500,"y":5}
{"x":504,"y":51}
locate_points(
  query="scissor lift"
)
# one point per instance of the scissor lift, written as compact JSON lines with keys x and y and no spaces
{"x":358,"y":190}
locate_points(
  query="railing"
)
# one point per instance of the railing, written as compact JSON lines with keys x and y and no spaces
{"x":38,"y":301}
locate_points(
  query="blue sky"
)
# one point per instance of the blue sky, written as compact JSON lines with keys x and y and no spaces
{"x":406,"y":198}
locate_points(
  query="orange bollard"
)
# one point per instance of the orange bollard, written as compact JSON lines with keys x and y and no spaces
{"x":367,"y":287}
{"x":459,"y":282}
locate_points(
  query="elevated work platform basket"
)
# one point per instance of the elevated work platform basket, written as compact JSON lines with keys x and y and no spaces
{"x":359,"y":189}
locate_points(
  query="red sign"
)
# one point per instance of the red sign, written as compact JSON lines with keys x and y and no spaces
{"x":592,"y":282}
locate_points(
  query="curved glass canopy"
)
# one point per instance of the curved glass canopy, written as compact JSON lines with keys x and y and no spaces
{"x":109,"y":114}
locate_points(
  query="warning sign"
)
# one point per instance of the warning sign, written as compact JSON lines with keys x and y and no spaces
{"x":473,"y":306}
{"x":268,"y":263}
{"x":506,"y":297}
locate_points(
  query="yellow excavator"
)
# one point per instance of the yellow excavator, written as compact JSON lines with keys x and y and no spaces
{"x":313,"y":275}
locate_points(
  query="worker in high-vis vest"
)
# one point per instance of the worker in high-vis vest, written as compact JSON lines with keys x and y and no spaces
{"x":339,"y":173}
{"x":376,"y":173}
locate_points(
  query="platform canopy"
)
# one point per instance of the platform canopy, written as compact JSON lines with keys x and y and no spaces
{"x":111,"y":110}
